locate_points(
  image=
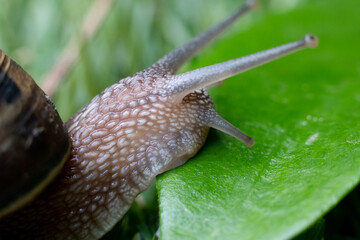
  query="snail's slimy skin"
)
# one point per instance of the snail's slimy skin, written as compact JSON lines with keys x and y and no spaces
{"x":140,"y":134}
{"x":126,"y":136}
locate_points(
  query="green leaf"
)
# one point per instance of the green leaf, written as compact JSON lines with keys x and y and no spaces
{"x":275,"y":189}
{"x":303,"y":112}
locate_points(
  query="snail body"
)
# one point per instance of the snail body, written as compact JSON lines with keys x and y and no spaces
{"x":116,"y":153}
{"x":145,"y":124}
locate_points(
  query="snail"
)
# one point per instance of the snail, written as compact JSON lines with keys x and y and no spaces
{"x":76,"y":180}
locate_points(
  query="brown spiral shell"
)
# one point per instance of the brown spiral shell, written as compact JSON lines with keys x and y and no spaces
{"x":33,"y":141}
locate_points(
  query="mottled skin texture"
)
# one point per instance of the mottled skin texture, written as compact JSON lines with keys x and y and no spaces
{"x":121,"y":140}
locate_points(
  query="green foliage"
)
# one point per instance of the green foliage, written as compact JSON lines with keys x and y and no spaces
{"x":303,"y":110}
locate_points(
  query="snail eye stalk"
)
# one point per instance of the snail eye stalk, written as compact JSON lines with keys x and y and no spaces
{"x":185,"y":83}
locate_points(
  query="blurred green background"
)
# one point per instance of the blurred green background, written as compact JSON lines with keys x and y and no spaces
{"x":132,"y":37}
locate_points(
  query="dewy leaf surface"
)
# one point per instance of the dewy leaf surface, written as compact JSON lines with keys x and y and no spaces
{"x":303,"y":112}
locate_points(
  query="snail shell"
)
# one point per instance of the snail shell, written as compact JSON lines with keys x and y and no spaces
{"x":33,"y":142}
